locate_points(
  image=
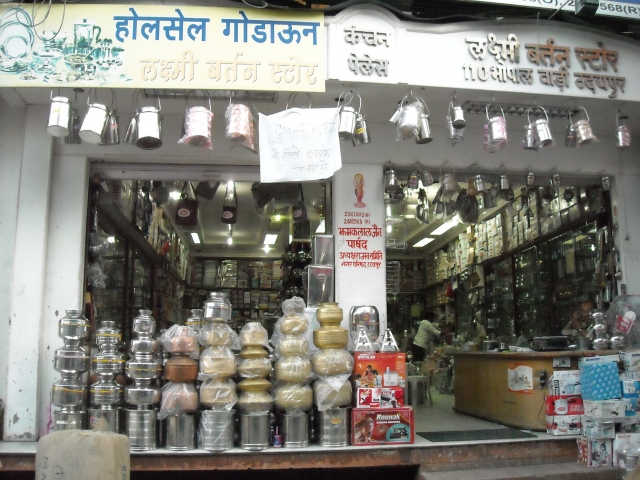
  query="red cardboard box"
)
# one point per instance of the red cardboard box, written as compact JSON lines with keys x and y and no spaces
{"x":564,"y":405}
{"x":380,"y":369}
{"x":382,"y":426}
{"x":380,"y":397}
{"x":595,"y":452}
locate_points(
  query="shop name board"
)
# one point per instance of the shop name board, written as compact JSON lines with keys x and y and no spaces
{"x":599,"y":64}
{"x":165,"y":47}
{"x":365,"y":65}
{"x":608,"y":8}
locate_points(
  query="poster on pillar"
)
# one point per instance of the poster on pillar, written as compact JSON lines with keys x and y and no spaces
{"x":360,"y":243}
{"x":161,"y":46}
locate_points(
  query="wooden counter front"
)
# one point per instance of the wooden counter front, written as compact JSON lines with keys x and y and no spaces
{"x":482,"y":389}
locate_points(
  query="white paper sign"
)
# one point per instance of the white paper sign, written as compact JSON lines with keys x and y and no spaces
{"x":299,"y":144}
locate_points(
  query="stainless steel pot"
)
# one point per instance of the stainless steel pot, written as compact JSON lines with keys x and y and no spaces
{"x":504,"y":182}
{"x":64,"y":420}
{"x":478,"y":183}
{"x":94,"y":123}
{"x":347,"y":123}
{"x":458,"y":120}
{"x":216,"y":430}
{"x":424,"y":135}
{"x":180,"y":432}
{"x":140,"y":427}
{"x":543,"y":133}
{"x":59,"y":116}
{"x":623,"y":137}
{"x":111,"y":132}
{"x":104,"y":419}
{"x":409,"y":119}
{"x":296,"y":430}
{"x":254,"y":431}
{"x":497,"y":131}
{"x":531,"y":179}
{"x":529,"y":140}
{"x":74,"y":129}
{"x":361,"y":136}
{"x":334,"y":427}
{"x":149,"y":131}
{"x":584,"y":133}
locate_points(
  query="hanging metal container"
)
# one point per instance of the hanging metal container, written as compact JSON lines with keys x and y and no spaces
{"x":497,"y":131}
{"x":74,"y":129}
{"x":414,"y":177}
{"x":361,"y":135}
{"x":426,"y":178}
{"x":449,"y":183}
{"x":570,"y":137}
{"x":392,"y":187}
{"x":347,"y":122}
{"x":504,"y":182}
{"x":455,"y":134}
{"x":531,"y":179}
{"x":529,"y":140}
{"x":606,"y":182}
{"x":623,"y":135}
{"x":555,"y":180}
{"x":542,"y":130}
{"x":487,"y":200}
{"x":132,"y":131}
{"x":59,"y":116}
{"x":197,"y":123}
{"x":111,"y":132}
{"x":149,"y":128}
{"x":94,"y":123}
{"x":409,"y":117}
{"x":424,"y":135}
{"x":457,"y":118}
{"x":478,"y":183}
{"x":584,"y":133}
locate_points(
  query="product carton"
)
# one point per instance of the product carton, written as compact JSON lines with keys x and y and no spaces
{"x":563,"y":405}
{"x":597,"y":429}
{"x":622,"y":439}
{"x":564,"y":424}
{"x":604,"y":409}
{"x":631,"y":360}
{"x":381,"y":369}
{"x":594,"y":452}
{"x":566,"y":382}
{"x":600,"y":381}
{"x":382,"y":426}
{"x":380,"y":397}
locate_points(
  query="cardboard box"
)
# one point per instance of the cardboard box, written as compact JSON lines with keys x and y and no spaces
{"x":380,"y":397}
{"x":564,"y":424}
{"x":563,"y":405}
{"x":382,"y":426}
{"x":598,"y":359}
{"x":565,"y":382}
{"x":594,"y":452}
{"x":629,"y":404}
{"x":622,"y":439}
{"x":631,"y":360}
{"x":596,"y":429}
{"x":381,"y":369}
{"x":604,"y":409}
{"x":630,"y":425}
{"x":600,"y":381}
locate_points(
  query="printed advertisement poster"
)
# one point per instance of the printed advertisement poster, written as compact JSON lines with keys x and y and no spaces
{"x":520,"y":379}
{"x":158,"y":46}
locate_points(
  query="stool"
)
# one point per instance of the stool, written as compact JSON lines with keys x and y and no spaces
{"x":418,"y":390}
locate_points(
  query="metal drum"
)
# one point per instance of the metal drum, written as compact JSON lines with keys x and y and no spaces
{"x":216,"y":430}
{"x":334,"y":427}
{"x":181,"y":432}
{"x":140,"y":427}
{"x":254,"y":431}
{"x":104,"y":419}
{"x":296,"y":430}
{"x":68,"y":421}
{"x":59,"y":116}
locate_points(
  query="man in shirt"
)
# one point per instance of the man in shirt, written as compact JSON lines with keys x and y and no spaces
{"x":426,"y":332}
{"x":580,"y":321}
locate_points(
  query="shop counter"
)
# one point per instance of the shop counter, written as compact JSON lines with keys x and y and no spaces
{"x":509,"y":387}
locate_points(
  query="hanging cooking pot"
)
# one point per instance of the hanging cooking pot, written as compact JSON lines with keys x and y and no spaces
{"x":409,"y":117}
{"x":497,"y":131}
{"x":449,"y":183}
{"x":392,"y":187}
{"x":111,"y":132}
{"x":504,"y":182}
{"x":347,"y":121}
{"x":487,"y":200}
{"x":543,"y":133}
{"x":149,"y":127}
{"x":623,"y":135}
{"x":95,"y":121}
{"x":59,"y":116}
{"x":426,"y":178}
{"x":424,"y":135}
{"x":479,"y":185}
{"x":457,"y":118}
{"x":197,"y":123}
{"x":584,"y":133}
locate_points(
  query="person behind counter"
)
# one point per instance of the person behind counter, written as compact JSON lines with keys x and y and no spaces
{"x":580,"y":321}
{"x":426,"y":332}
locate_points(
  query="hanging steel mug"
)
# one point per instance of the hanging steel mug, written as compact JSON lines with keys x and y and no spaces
{"x":414,"y":177}
{"x":458,"y":117}
{"x":449,"y":184}
{"x":347,"y":124}
{"x":149,"y":128}
{"x":555,"y":180}
{"x":74,"y":129}
{"x":94,"y":123}
{"x":478,"y":183}
{"x":424,"y":135}
{"x":111,"y":132}
{"x":361,"y":136}
{"x":584,"y":133}
{"x":529,"y":141}
{"x":59,"y":116}
{"x":409,"y":119}
{"x":504,"y":182}
{"x":487,"y":200}
{"x":427,"y":178}
{"x":497,"y":131}
{"x":623,"y":137}
{"x":531,"y":179}
{"x":543,"y":133}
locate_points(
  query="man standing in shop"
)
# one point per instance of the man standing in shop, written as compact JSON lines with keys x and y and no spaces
{"x":580,"y":321}
{"x":426,"y":332}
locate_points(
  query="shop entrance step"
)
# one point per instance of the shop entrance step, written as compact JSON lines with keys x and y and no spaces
{"x":556,"y":471}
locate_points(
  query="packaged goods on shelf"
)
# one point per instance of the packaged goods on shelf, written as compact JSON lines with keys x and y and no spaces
{"x":383,"y":369}
{"x":598,"y":429}
{"x":564,"y":405}
{"x":564,"y":424}
{"x":595,"y":452}
{"x":382,"y":426}
{"x":630,"y":360}
{"x":599,"y":378}
{"x":565,"y":383}
{"x":380,"y":397}
{"x":604,"y":409}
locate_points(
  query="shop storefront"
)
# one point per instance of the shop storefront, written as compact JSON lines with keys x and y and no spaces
{"x":54,"y":192}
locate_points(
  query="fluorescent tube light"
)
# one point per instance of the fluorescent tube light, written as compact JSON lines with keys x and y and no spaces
{"x":195,"y":237}
{"x":446,"y":226}
{"x":423,"y":242}
{"x":175,"y":195}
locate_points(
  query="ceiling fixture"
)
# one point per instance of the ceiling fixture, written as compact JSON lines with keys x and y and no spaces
{"x":175,"y":195}
{"x":111,"y":239}
{"x":446,"y":226}
{"x":270,"y":238}
{"x":423,"y":242}
{"x":195,"y":237}
{"x":266,"y":249}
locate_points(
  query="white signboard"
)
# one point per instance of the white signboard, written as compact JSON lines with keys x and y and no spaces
{"x":299,"y":144}
{"x":519,"y":57}
{"x":360,"y":239}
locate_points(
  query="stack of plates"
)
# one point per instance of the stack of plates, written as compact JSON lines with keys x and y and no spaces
{"x":16,"y":35}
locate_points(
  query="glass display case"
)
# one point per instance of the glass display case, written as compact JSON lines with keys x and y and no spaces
{"x":499,"y":299}
{"x":532,"y":292}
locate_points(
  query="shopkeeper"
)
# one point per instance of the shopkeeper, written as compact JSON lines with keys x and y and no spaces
{"x":426,"y":332}
{"x":580,"y":321}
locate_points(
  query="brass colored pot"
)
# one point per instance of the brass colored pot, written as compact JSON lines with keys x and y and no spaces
{"x":253,"y":351}
{"x":254,"y":385}
{"x":181,"y":369}
{"x":331,"y":337}
{"x":329,"y":313}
